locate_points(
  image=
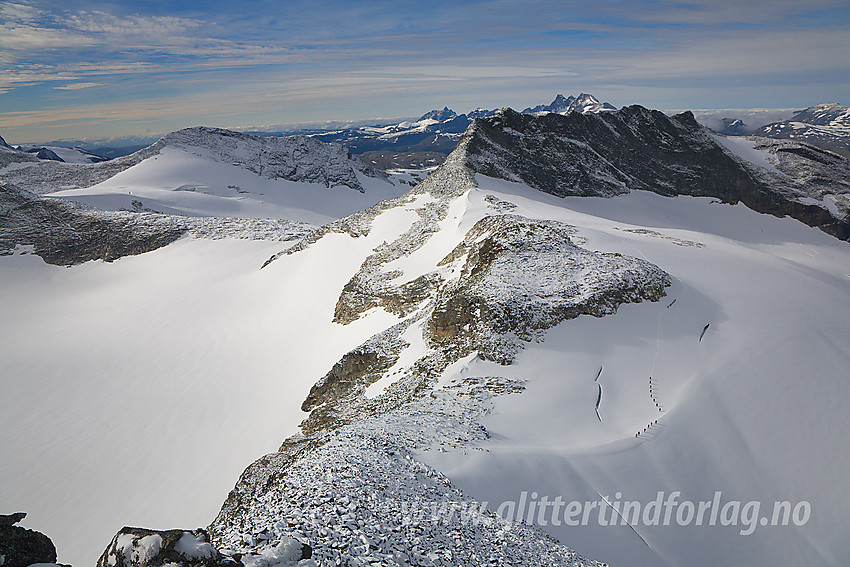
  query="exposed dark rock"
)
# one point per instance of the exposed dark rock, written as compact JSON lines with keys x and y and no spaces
{"x":45,"y":153}
{"x":7,"y":520}
{"x":732,"y":127}
{"x":62,"y":235}
{"x":20,"y":547}
{"x":139,"y":547}
{"x":634,"y":148}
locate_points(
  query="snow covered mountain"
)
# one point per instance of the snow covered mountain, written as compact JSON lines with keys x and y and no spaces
{"x":823,"y":125}
{"x":583,"y":104}
{"x":481,"y":276}
{"x":490,"y":268}
{"x":218,"y":173}
{"x":426,"y":141}
{"x":587,"y":307}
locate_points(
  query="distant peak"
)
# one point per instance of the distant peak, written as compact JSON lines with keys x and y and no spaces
{"x":583,"y":104}
{"x":445,"y":114}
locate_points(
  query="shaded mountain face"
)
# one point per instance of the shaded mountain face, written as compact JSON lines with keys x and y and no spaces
{"x":9,"y":155}
{"x":608,"y":154}
{"x":823,"y":125}
{"x":64,"y":154}
{"x":732,"y":127}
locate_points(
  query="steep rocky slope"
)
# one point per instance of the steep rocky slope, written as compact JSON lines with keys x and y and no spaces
{"x":638,"y":149}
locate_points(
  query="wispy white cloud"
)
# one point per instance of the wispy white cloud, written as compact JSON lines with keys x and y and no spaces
{"x":331,"y":60}
{"x":77,"y":86}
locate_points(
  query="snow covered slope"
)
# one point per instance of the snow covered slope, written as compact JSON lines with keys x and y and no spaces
{"x":710,"y":392}
{"x":182,"y":182}
{"x":214,"y":172}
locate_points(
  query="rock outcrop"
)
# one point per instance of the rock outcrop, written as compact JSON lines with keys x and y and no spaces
{"x":20,"y":547}
{"x":62,"y":235}
{"x":139,"y":547}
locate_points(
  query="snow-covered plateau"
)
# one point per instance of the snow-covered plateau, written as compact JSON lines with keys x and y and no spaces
{"x":538,"y":318}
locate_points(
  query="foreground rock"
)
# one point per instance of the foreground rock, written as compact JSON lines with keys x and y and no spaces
{"x":139,"y":547}
{"x":20,"y":547}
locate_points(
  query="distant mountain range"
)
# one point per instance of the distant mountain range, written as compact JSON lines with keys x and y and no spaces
{"x":824,"y":125}
{"x":428,"y":140}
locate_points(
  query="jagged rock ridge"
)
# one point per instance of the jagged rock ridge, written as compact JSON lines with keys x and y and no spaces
{"x":638,"y":149}
{"x":583,"y":104}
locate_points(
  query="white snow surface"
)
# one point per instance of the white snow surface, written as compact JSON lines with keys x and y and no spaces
{"x":755,"y":409}
{"x":179,"y":181}
{"x":190,"y":546}
{"x":136,"y":392}
{"x":745,"y":149}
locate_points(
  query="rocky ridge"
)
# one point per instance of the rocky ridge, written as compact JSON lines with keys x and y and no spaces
{"x":362,"y":497}
{"x":583,"y":104}
{"x":66,"y":235}
{"x":340,"y":484}
{"x":639,"y":149}
{"x":294,"y":158}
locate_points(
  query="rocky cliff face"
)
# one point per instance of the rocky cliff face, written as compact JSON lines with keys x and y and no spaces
{"x":639,"y":149}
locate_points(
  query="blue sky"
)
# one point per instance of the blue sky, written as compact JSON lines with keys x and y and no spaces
{"x":95,"y":69}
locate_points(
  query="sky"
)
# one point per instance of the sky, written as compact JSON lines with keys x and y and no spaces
{"x":92,"y":69}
